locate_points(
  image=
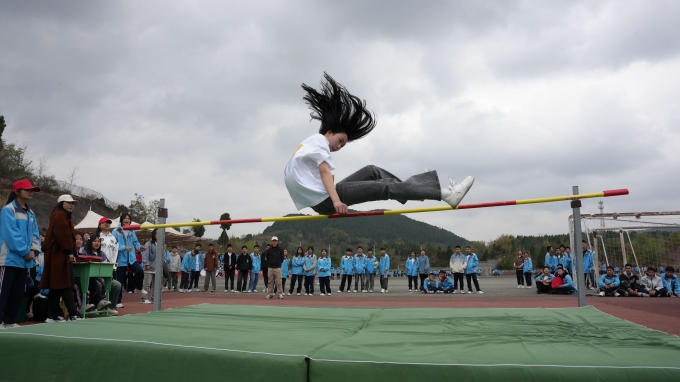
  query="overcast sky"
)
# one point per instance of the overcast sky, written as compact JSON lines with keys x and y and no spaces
{"x":200,"y":102}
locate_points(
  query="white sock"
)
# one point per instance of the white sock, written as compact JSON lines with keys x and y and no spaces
{"x":445,"y":193}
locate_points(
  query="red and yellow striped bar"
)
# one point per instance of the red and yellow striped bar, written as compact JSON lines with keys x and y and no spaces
{"x":602,"y":194}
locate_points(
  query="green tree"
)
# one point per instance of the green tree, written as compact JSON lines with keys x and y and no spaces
{"x":199,"y":230}
{"x":141,"y":211}
{"x":224,"y":237}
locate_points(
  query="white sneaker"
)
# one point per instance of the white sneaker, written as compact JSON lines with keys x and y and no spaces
{"x":311,"y":294}
{"x":528,"y":287}
{"x":10,"y":326}
{"x":410,"y":290}
{"x":469,"y":291}
{"x":280,"y":297}
{"x":2,"y":326}
{"x":616,"y":294}
{"x":355,"y":291}
{"x":601,"y":294}
{"x":289,"y":293}
{"x":520,"y":286}
{"x":322,"y":294}
{"x":226,"y":291}
{"x":370,"y":291}
{"x":181,"y":291}
{"x":298,"y":294}
{"x":339,"y":291}
{"x":90,"y":307}
{"x":328,"y":294}
{"x":113,"y":312}
{"x":458,"y":191}
{"x":382,"y":291}
{"x":29,"y":315}
{"x":248,"y":291}
{"x":386,"y":291}
{"x":306,"y":294}
{"x":146,"y":301}
{"x":480,"y":292}
{"x":363,"y":291}
{"x":120,"y":305}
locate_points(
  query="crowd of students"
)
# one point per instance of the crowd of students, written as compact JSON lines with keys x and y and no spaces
{"x":555,"y":276}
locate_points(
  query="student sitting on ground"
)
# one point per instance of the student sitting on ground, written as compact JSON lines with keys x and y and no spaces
{"x":544,"y":281}
{"x":430,"y":284}
{"x":670,"y":282}
{"x":629,"y":282}
{"x":445,"y":285}
{"x":651,"y":285}
{"x":609,"y":283}
{"x":567,"y":286}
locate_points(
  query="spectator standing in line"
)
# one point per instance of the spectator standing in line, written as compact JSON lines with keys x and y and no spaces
{"x":274,"y":255}
{"x":256,"y":261}
{"x":544,"y":281}
{"x":423,"y":267}
{"x":384,"y":269}
{"x":588,"y":266}
{"x":128,"y":246}
{"x":567,"y":261}
{"x":310,"y":271}
{"x":347,"y":265}
{"x":371,"y":265}
{"x":359,"y":269}
{"x":609,"y":283}
{"x":651,"y":285}
{"x":60,"y":253}
{"x":670,"y":281}
{"x":210,"y":266}
{"x":629,"y":282}
{"x":196,"y":267}
{"x":528,"y":269}
{"x":412,"y":272}
{"x":285,"y":270}
{"x":19,"y":245}
{"x":472,"y":262}
{"x":185,"y":268}
{"x":298,"y":264}
{"x":519,"y":269}
{"x":149,"y":261}
{"x":265,"y":268}
{"x":332,"y":273}
{"x":173,"y":268}
{"x":550,"y":259}
{"x":229,"y":269}
{"x":324,"y":270}
{"x":458,"y":263}
{"x":244,"y":264}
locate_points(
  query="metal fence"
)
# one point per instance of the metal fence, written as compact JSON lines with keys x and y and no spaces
{"x":85,"y":193}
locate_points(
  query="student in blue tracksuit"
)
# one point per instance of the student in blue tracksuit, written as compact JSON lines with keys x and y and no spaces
{"x":412,"y":272}
{"x":588,"y":263}
{"x":445,"y":284}
{"x":256,"y":260}
{"x":298,"y":263}
{"x":337,"y":273}
{"x":360,"y":270}
{"x":371,"y":265}
{"x":472,"y":262}
{"x":609,"y":283}
{"x":550,"y":260}
{"x":347,"y":265}
{"x":430,"y":284}
{"x":384,"y":270}
{"x":19,"y":245}
{"x":323,"y":265}
{"x":332,"y":273}
{"x":285,"y":264}
{"x":564,"y":258}
{"x":527,"y":269}
{"x":567,"y":286}
{"x":128,"y":245}
{"x":544,"y":281}
{"x":670,"y":281}
{"x":424,"y":268}
{"x":310,"y":270}
{"x":185,"y":268}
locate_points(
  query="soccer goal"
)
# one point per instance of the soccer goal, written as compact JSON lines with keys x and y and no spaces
{"x":642,"y":239}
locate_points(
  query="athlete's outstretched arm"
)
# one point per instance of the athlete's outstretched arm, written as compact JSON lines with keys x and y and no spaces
{"x":329,"y":184}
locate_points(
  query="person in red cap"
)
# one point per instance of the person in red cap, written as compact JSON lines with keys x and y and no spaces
{"x":19,"y":244}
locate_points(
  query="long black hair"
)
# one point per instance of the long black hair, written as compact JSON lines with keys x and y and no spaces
{"x":11,"y":197}
{"x":88,"y":246}
{"x":154,"y":235}
{"x":299,"y":251}
{"x":338,"y":110}
{"x":122,"y":216}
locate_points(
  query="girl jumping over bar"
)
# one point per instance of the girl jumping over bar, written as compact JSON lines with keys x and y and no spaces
{"x":344,"y":118}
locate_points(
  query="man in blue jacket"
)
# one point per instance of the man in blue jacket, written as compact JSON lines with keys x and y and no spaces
{"x":371,"y":265}
{"x":19,"y":245}
{"x":472,"y":262}
{"x":423,"y":268}
{"x":256,"y":260}
{"x":384,"y":269}
{"x":445,"y":285}
{"x":347,"y":265}
{"x":551,"y":260}
{"x":359,"y":269}
{"x":609,"y":283}
{"x":588,"y":264}
{"x":412,"y":272}
{"x":670,"y":282}
{"x":430,"y":285}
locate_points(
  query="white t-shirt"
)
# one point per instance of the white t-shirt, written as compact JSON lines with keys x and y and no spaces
{"x":302,"y":176}
{"x":109,"y":246}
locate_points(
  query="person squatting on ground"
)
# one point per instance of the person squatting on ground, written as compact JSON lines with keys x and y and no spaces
{"x":274,"y":256}
{"x":298,"y":263}
{"x":344,"y":118}
{"x":670,"y":282}
{"x":445,"y":285}
{"x":609,"y":283}
{"x":19,"y":245}
{"x":430,"y":285}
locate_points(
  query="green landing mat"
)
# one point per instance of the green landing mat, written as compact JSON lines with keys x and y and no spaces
{"x":261,"y":343}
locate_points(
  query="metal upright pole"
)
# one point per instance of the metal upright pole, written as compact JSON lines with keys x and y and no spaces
{"x":580,"y":280}
{"x":623,"y":247}
{"x":160,"y":254}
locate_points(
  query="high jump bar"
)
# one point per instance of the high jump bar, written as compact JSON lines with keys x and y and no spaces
{"x":601,"y":194}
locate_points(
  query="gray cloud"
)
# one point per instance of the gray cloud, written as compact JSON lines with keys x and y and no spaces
{"x":202,"y":104}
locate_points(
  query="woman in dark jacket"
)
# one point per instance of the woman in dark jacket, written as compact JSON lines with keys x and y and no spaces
{"x":60,"y":251}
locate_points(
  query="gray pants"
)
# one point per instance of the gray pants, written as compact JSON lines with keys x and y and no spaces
{"x":370,"y":278}
{"x":372,"y":183}
{"x":383,"y":282}
{"x":359,"y":278}
{"x":149,"y":278}
{"x":210,"y":276}
{"x":590,"y":279}
{"x":116,"y":287}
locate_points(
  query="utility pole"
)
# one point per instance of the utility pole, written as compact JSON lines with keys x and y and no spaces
{"x":600,"y":205}
{"x":160,"y":254}
{"x":578,"y":234}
